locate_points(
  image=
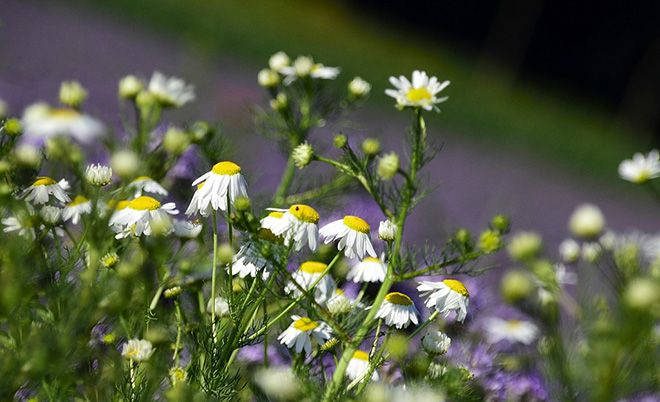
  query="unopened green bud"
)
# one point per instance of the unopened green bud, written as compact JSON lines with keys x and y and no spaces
{"x":524,"y":246}
{"x":463,"y":236}
{"x":268,"y":78}
{"x":587,"y":221}
{"x":397,"y":345}
{"x":643,"y":294}
{"x":388,"y":166}
{"x":13,"y":127}
{"x":225,"y":254}
{"x":27,"y":155}
{"x":242,"y":204}
{"x":72,"y":94}
{"x":371,"y":146}
{"x":516,"y":286}
{"x":358,"y":88}
{"x":146,"y":100}
{"x":125,"y":163}
{"x":176,"y":141}
{"x":5,"y":166}
{"x":340,"y":141}
{"x":500,"y":223}
{"x":172,"y":292}
{"x":200,"y":130}
{"x":5,"y":189}
{"x":489,"y":241}
{"x":130,"y":86}
{"x":280,"y":102}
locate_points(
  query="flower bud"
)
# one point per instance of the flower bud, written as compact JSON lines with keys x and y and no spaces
{"x":489,"y":241}
{"x":268,"y":78}
{"x":500,"y":223}
{"x":358,"y":88}
{"x":221,"y":307}
{"x":436,"y":343}
{"x":643,"y":294}
{"x":370,"y":146}
{"x":13,"y":127}
{"x":340,"y":141}
{"x":146,"y":100}
{"x":591,"y":252}
{"x":4,"y":109}
{"x":242,"y":204}
{"x":387,"y":230}
{"x":463,"y":236}
{"x":516,"y":286}
{"x":175,"y":141}
{"x":5,"y":166}
{"x":72,"y":94}
{"x":278,"y":61}
{"x":524,"y":246}
{"x":280,"y":102}
{"x":50,"y":215}
{"x":587,"y":221}
{"x":225,"y":254}
{"x":110,"y":260}
{"x":278,"y":383}
{"x":302,"y":155}
{"x":27,"y":155}
{"x":397,"y":346}
{"x":303,"y":66}
{"x":569,"y":250}
{"x":98,"y":175}
{"x":130,"y":86}
{"x":125,"y":163}
{"x":200,"y":130}
{"x":172,"y":292}
{"x":388,"y":166}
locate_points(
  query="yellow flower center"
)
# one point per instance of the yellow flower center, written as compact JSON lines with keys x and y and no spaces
{"x":304,"y":213}
{"x":313,"y":267}
{"x":642,"y":177}
{"x":456,"y":286}
{"x":371,"y":259}
{"x":276,"y":214}
{"x":398,"y":298}
{"x":121,"y":204}
{"x":64,"y":113}
{"x":144,"y":203}
{"x":513,"y":324}
{"x":305,"y":324}
{"x":141,"y":178}
{"x":361,"y":355}
{"x":418,"y":94}
{"x":357,"y":224}
{"x":226,"y":168}
{"x":78,"y":200}
{"x":43,"y":181}
{"x":339,"y":292}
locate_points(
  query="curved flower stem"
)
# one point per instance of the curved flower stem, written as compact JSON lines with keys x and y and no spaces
{"x":213,"y":273}
{"x":425,"y":324}
{"x":177,"y":344}
{"x":285,"y":183}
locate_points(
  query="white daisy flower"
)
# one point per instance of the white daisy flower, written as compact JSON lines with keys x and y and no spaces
{"x":249,"y":261}
{"x":278,"y":61}
{"x":221,"y":306}
{"x":42,"y":121}
{"x":42,"y":188}
{"x":339,"y":303}
{"x":171,"y":91}
{"x":145,"y":184}
{"x":446,"y":296}
{"x":387,"y":230}
{"x":306,"y":275}
{"x":302,"y":332}
{"x":398,"y":310}
{"x":420,"y":93}
{"x":436,"y":343}
{"x":21,"y":224}
{"x":297,"y":225}
{"x":50,"y":215}
{"x":137,"y":350}
{"x":138,"y":217}
{"x":370,"y":269}
{"x":358,"y":366}
{"x":305,"y":66}
{"x":186,"y":229}
{"x":498,"y":330}
{"x":353,"y":235}
{"x":73,"y":210}
{"x":223,"y":180}
{"x":271,"y":220}
{"x":640,"y":168}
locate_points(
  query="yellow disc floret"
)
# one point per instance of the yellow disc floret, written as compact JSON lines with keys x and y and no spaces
{"x":372,"y":259}
{"x":64,"y":113}
{"x":141,"y":178}
{"x":79,"y":199}
{"x":305,"y":324}
{"x":276,"y":214}
{"x":418,"y":95}
{"x":43,"y":181}
{"x":304,"y":213}
{"x":313,"y":267}
{"x":144,"y":203}
{"x":457,"y":286}
{"x":398,"y":298}
{"x":357,"y":224}
{"x":361,"y":355}
{"x":226,"y":168}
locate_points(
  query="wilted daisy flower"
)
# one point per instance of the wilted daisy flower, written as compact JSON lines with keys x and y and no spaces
{"x":42,"y":188}
{"x":398,"y":310}
{"x":370,"y":269}
{"x":170,"y":91}
{"x":306,"y":275}
{"x":221,"y":306}
{"x":387,"y":230}
{"x":73,"y":210}
{"x":436,"y":343}
{"x":358,"y":87}
{"x":42,"y":121}
{"x":353,"y":235}
{"x":186,"y":229}
{"x":222,"y":182}
{"x":249,"y":261}
{"x":339,"y":303}
{"x":297,"y":225}
{"x":358,"y":366}
{"x":21,"y":224}
{"x":137,"y":350}
{"x":304,"y":331}
{"x":446,"y":296}
{"x":498,"y":330}
{"x":98,"y":175}
{"x":145,"y":184}
{"x":640,"y":168}
{"x":304,"y":66}
{"x":141,"y":215}
{"x":420,"y":93}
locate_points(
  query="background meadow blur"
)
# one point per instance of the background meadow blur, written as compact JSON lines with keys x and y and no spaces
{"x":546,"y":97}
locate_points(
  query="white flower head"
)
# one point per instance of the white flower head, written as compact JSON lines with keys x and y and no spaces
{"x":446,"y":296}
{"x":640,"y":168}
{"x":98,"y":175}
{"x":569,"y":250}
{"x":370,"y":269}
{"x":436,"y":343}
{"x":518,"y":331}
{"x":171,"y":91}
{"x":358,"y":87}
{"x":141,"y":215}
{"x":421,"y":92}
{"x":271,"y":219}
{"x":249,"y":262}
{"x":304,"y":331}
{"x":50,"y":215}
{"x":130,"y":86}
{"x":563,"y":276}
{"x":305,"y":66}
{"x":223,"y":182}
{"x":387,"y":230}
{"x":302,"y":155}
{"x":186,"y":229}
{"x":305,"y":276}
{"x":268,"y":78}
{"x":587,"y":221}
{"x":221,"y":306}
{"x":43,"y":187}
{"x":125,"y":163}
{"x":278,"y":383}
{"x":145,"y":184}
{"x":42,"y":121}
{"x":358,"y":366}
{"x":73,"y":210}
{"x":137,"y":350}
{"x":21,"y":224}
{"x":339,"y":303}
{"x":353,"y":235}
{"x":398,"y":310}
{"x":72,"y":93}
{"x":297,"y":225}
{"x":278,"y":61}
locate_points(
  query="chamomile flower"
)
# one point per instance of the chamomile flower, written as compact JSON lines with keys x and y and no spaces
{"x":498,"y":330}
{"x":138,"y":217}
{"x":421,"y":92}
{"x":297,"y":225}
{"x":303,"y":332}
{"x":21,"y":224}
{"x":42,"y":121}
{"x":43,"y":187}
{"x":308,"y":273}
{"x":171,"y":91}
{"x":305,"y":66}
{"x":353,"y":235}
{"x":73,"y":210}
{"x":398,"y":310}
{"x":446,"y":296}
{"x":370,"y":269}
{"x":358,"y":366}
{"x":271,"y":220}
{"x":186,"y":229}
{"x":98,"y":175}
{"x":145,"y":184}
{"x":221,"y":306}
{"x":137,"y":350}
{"x":222,"y":182}
{"x":339,"y":303}
{"x":249,"y":261}
{"x":436,"y":343}
{"x":640,"y":168}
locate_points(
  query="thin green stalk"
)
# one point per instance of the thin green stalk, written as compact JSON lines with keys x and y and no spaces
{"x":177,"y":344}
{"x":213,"y":273}
{"x":285,"y":183}
{"x":230,"y":238}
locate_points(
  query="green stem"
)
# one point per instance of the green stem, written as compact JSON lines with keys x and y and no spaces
{"x":213,"y":273}
{"x":285,"y":183}
{"x":177,"y":344}
{"x":230,"y":238}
